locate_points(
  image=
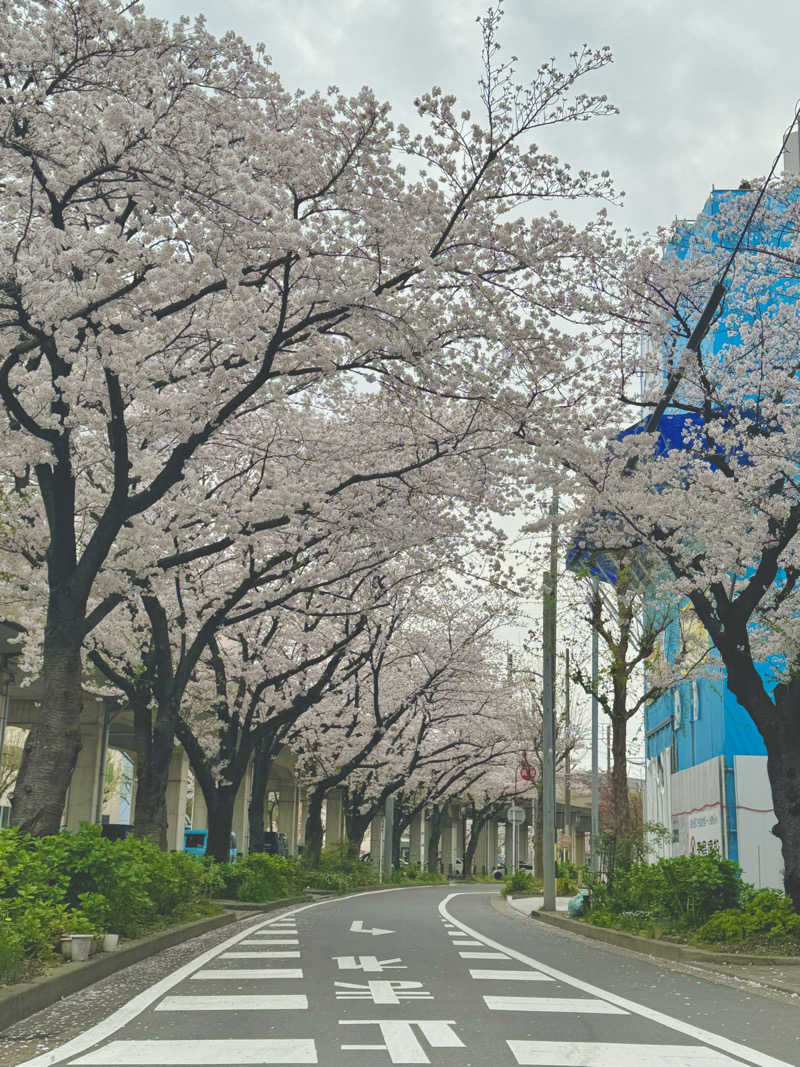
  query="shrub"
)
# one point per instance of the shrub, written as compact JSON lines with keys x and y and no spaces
{"x":519,"y":882}
{"x":84,"y":883}
{"x":766,"y":916}
{"x":12,"y":952}
{"x":261,"y":876}
{"x":686,"y":890}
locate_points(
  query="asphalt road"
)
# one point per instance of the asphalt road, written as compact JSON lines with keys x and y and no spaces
{"x":431,"y":975}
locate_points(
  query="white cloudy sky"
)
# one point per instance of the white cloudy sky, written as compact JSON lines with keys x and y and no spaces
{"x":705,"y":90}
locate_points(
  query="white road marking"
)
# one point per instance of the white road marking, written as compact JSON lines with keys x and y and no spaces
{"x":260,"y":955}
{"x":749,"y":1055}
{"x":401,"y":1042}
{"x":248,"y":972}
{"x":613,"y":1054}
{"x":369,"y":963}
{"x":357,"y":927}
{"x":381,"y":992}
{"x":510,"y":976}
{"x":279,"y":1002}
{"x":483,"y":956}
{"x":271,"y":941}
{"x":573,"y":1005}
{"x":136,"y":1005}
{"x":158,"y":1053}
{"x":467,"y":942}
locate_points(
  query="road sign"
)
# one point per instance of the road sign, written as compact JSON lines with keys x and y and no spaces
{"x":515,"y":814}
{"x":565,"y":841}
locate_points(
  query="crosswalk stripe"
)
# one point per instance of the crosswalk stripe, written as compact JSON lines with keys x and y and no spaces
{"x":483,"y":956}
{"x":510,"y":976}
{"x":614,"y":1054}
{"x":467,"y":942}
{"x":247,"y":972}
{"x":272,"y":941}
{"x":259,"y":955}
{"x":574,"y":1005}
{"x":242,"y":1002}
{"x":265,"y":1050}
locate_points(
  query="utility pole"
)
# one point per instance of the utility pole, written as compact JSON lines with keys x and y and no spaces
{"x":548,"y":715}
{"x":567,"y":795}
{"x":595,"y":729}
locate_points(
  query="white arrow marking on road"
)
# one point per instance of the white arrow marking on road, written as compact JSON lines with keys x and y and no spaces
{"x":357,"y":927}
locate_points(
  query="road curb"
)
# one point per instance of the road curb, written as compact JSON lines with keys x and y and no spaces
{"x":19,"y":1001}
{"x":667,"y":950}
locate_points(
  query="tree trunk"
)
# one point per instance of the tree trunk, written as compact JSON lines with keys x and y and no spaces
{"x":397,"y":832}
{"x":472,"y":844}
{"x":52,"y":746}
{"x":314,"y":830}
{"x":154,"y":745}
{"x":783,"y":768}
{"x":355,"y":827}
{"x":220,"y":802}
{"x":262,"y":765}
{"x":620,"y":802}
{"x":432,"y":863}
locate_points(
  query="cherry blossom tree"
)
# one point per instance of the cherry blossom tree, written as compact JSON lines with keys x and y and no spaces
{"x":710,"y":497}
{"x":183,"y":241}
{"x":408,"y":723}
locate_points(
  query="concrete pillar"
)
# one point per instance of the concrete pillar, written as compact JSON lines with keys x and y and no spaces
{"x":481,"y":861}
{"x":241,"y":823}
{"x":459,"y":828}
{"x":86,"y":787}
{"x":508,"y":847}
{"x":176,"y":799}
{"x":334,"y":817}
{"x":523,"y":842}
{"x":580,"y":849}
{"x":199,"y":809}
{"x":375,"y":840}
{"x":415,"y":840}
{"x":447,"y":851}
{"x":287,"y":814}
{"x":301,"y":810}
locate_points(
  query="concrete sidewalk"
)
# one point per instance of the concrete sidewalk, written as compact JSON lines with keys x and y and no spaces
{"x":771,"y":973}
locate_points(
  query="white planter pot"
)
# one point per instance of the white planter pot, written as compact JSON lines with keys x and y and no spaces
{"x":81,"y":946}
{"x":110,"y":942}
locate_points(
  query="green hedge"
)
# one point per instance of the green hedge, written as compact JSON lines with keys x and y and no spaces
{"x":699,"y":898}
{"x":84,"y":883}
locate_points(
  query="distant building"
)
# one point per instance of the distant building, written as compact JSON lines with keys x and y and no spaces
{"x":706,"y":765}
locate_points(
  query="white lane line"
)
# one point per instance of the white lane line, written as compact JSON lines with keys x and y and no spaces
{"x":268,"y":1050}
{"x":467,"y":942}
{"x":573,"y":1005}
{"x":247,"y":972}
{"x":483,"y":956}
{"x":612,"y":1054}
{"x":271,"y":941}
{"x":749,"y":1055}
{"x":136,"y":1005}
{"x":510,"y":976}
{"x":242,"y":1002}
{"x":260,"y":956}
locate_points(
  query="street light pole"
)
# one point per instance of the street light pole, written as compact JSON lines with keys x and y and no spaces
{"x":595,"y":728}
{"x":548,"y":716}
